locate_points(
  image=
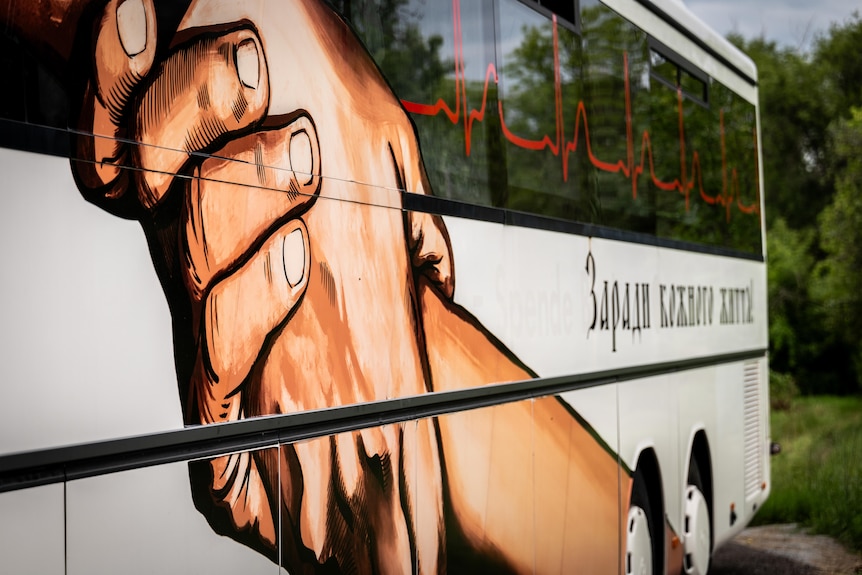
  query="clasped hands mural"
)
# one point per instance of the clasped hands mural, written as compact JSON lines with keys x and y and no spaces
{"x":265,"y":157}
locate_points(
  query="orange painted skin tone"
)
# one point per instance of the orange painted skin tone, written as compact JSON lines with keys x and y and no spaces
{"x":559,"y":515}
{"x":294,"y":286}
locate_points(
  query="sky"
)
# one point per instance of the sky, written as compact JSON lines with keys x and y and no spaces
{"x":790,"y":23}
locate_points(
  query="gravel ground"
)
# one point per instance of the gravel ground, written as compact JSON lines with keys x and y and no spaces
{"x":786,"y":550}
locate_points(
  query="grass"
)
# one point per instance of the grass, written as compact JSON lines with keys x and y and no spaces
{"x":817,"y":477}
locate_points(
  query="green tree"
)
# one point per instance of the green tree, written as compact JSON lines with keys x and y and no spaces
{"x":837,"y":56}
{"x":810,"y":139}
{"x":839,"y":274}
{"x":789,"y":272}
{"x":794,"y":117}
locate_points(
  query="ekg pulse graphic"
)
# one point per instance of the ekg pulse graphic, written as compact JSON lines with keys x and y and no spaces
{"x":690,"y":176}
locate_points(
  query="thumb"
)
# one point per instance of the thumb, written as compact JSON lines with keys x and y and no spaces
{"x":428,"y":240}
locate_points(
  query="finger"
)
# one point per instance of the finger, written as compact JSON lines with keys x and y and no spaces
{"x":428,"y":242}
{"x":431,"y":251}
{"x":238,"y":485}
{"x":124,"y":52}
{"x":215,"y":86}
{"x":423,"y":486}
{"x":254,"y":183}
{"x":240,"y":312}
{"x":315,"y":459}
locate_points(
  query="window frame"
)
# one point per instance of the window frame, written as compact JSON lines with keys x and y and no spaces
{"x":683,"y":66}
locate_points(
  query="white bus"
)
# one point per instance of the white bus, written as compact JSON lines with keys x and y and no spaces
{"x":233,"y":339}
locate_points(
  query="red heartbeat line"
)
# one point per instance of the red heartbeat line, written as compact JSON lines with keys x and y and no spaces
{"x":729,"y":196}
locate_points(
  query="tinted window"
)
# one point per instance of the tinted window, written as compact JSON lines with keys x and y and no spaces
{"x":603,"y":126}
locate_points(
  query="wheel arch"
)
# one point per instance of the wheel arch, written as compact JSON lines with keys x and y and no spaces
{"x":648,"y":470}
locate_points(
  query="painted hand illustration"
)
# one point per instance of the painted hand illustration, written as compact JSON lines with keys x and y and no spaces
{"x":244,"y":137}
{"x":296,"y":301}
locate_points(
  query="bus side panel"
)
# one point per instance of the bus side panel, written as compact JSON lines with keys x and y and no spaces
{"x":598,"y":406}
{"x":520,"y":487}
{"x":665,"y":413}
{"x":569,"y":304}
{"x":86,"y":346}
{"x":145,"y":521}
{"x":648,"y":420}
{"x":525,"y":488}
{"x":727,"y":447}
{"x":32,"y":531}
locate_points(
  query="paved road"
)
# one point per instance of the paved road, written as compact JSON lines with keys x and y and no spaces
{"x":737,"y":559}
{"x":784,"y":549}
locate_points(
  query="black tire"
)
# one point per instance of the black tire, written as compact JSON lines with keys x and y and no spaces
{"x":640,"y":498}
{"x":694,"y":477}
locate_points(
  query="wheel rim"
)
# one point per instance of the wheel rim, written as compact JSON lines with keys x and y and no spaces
{"x":638,"y":543}
{"x":697,"y":532}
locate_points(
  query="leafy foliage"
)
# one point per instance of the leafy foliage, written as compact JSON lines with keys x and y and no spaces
{"x":837,"y":55}
{"x":839,"y":275}
{"x":811,"y":130}
{"x":790,"y":266}
{"x":794,"y":120}
{"x":782,"y":391}
{"x":817,"y":478}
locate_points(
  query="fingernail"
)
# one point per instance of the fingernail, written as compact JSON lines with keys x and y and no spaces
{"x":301,"y":158}
{"x":248,"y":63}
{"x":293,"y":254}
{"x":132,"y":26}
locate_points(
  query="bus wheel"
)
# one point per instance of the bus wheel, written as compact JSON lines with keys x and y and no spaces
{"x":639,"y":547}
{"x":698,"y":526}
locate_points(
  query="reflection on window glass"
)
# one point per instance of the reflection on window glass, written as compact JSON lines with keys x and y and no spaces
{"x":564,"y":9}
{"x":596,"y":126}
{"x":677,"y":76}
{"x":692,"y":86}
{"x":539,"y":91}
{"x":37,"y":97}
{"x":663,"y":68}
{"x":435,"y":56}
{"x":615,"y":57}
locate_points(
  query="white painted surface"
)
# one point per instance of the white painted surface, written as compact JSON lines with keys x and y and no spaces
{"x":543,"y":276}
{"x":531,"y":289}
{"x":143,"y":522}
{"x":678,"y":42}
{"x":31,"y":531}
{"x":86,"y":351}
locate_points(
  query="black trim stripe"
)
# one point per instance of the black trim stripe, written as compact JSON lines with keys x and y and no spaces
{"x":679,"y":27}
{"x":670,"y":54}
{"x":43,"y":467}
{"x":547,"y":12}
{"x":454,"y":208}
{"x":56,"y":142}
{"x":683,"y":65}
{"x":34,"y":138}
